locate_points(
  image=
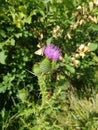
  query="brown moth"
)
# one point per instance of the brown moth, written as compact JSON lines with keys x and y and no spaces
{"x":40,"y":50}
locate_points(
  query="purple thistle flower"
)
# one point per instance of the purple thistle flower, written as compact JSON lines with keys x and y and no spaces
{"x":52,"y":52}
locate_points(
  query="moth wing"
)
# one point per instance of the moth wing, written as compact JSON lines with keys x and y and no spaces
{"x":39,"y":51}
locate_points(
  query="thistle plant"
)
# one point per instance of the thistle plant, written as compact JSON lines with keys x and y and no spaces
{"x":45,"y":68}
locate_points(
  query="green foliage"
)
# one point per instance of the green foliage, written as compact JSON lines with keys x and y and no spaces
{"x":39,"y":94}
{"x":3,"y":57}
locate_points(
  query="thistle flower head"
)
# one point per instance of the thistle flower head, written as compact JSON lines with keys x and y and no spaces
{"x":52,"y":52}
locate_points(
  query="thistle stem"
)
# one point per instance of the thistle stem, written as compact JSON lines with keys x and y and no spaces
{"x":43,"y":88}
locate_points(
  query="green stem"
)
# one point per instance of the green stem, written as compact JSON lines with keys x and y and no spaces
{"x":43,"y":88}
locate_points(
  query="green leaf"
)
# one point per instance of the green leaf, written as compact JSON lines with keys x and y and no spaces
{"x":28,"y":19}
{"x":12,"y":42}
{"x":36,"y":70}
{"x":2,"y":57}
{"x":96,"y":58}
{"x":22,"y":94}
{"x":6,"y":83}
{"x":49,"y":40}
{"x":3,"y":88}
{"x":54,"y":65}
{"x":70,"y":69}
{"x":93,"y":46}
{"x":2,"y":33}
{"x":46,"y":1}
{"x":18,"y":35}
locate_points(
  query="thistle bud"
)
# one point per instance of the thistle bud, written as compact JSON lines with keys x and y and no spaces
{"x":45,"y":65}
